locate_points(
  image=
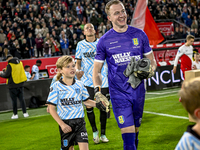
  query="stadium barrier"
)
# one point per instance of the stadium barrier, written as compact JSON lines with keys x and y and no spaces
{"x":36,"y":88}
{"x":48,"y":64}
{"x":165,"y":78}
{"x":166,"y":53}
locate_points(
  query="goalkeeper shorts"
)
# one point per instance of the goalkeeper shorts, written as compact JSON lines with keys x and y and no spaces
{"x":128,"y":106}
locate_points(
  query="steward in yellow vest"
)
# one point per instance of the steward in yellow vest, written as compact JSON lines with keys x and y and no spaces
{"x":16,"y":77}
{"x":14,"y":73}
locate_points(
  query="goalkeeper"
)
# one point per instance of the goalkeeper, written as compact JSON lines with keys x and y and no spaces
{"x":118,"y":46}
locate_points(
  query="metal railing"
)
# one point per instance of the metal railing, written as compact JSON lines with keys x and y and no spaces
{"x":177,"y":41}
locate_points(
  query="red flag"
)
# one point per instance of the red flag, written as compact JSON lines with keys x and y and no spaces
{"x":151,"y":29}
{"x":143,"y":20}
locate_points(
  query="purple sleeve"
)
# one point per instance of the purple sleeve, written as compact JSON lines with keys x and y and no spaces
{"x":101,"y":51}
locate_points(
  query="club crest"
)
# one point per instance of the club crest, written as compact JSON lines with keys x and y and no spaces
{"x":121,"y":119}
{"x":65,"y":143}
{"x":77,"y":91}
{"x":135,"y":41}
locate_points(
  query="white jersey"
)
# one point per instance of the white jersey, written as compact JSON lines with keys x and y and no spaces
{"x":162,"y":63}
{"x":189,"y":141}
{"x":68,"y":99}
{"x":187,"y":50}
{"x":28,"y":75}
{"x":35,"y":70}
{"x":86,"y":51}
{"x":53,"y":80}
{"x":194,"y":63}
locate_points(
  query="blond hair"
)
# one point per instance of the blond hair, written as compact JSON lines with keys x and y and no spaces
{"x":110,"y":3}
{"x":62,"y":62}
{"x":190,"y":95}
{"x":189,"y":37}
{"x":38,"y":26}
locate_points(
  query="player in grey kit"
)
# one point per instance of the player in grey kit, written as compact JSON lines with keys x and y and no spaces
{"x":117,"y":46}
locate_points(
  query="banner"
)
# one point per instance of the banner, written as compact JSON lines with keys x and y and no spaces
{"x":165,"y":78}
{"x":166,"y":27}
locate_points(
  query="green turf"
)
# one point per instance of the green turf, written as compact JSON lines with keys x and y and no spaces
{"x":40,"y":131}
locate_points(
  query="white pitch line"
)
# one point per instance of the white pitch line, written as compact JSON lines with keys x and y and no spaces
{"x":166,"y":115}
{"x":156,"y":93}
{"x":148,"y":112}
{"x":160,"y":97}
{"x":30,"y":117}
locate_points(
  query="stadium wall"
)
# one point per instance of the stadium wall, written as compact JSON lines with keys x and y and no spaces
{"x":37,"y":88}
{"x":163,"y":78}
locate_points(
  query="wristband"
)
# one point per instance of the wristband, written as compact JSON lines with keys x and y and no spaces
{"x":97,"y":89}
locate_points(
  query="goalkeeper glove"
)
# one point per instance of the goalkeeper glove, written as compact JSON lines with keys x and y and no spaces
{"x":102,"y":102}
{"x":144,"y":69}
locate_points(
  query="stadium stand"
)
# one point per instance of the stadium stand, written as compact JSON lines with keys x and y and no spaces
{"x":66,"y":19}
{"x":18,"y":18}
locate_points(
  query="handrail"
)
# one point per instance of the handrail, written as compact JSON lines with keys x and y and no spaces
{"x":171,"y":20}
{"x":179,"y":40}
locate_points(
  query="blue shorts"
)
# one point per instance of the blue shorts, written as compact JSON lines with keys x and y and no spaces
{"x":130,"y":110}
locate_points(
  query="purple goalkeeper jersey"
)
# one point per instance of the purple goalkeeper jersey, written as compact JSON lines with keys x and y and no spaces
{"x":117,"y":49}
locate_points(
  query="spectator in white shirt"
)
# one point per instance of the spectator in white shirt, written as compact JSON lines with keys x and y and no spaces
{"x":27,"y":72}
{"x":35,"y":70}
{"x":195,"y":63}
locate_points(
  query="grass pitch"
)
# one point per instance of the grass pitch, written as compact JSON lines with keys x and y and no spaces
{"x":164,"y":122}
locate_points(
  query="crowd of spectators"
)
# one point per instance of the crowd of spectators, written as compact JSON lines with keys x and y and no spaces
{"x":186,"y":12}
{"x":47,"y":27}
{"x":52,"y":28}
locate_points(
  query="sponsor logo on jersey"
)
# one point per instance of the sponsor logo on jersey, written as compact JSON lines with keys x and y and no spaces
{"x":113,"y":42}
{"x":65,"y":143}
{"x":114,"y":47}
{"x":63,"y":92}
{"x":89,"y":54}
{"x":84,"y":134}
{"x":69,"y":101}
{"x":121,"y":119}
{"x":124,"y":57}
{"x":135,"y":41}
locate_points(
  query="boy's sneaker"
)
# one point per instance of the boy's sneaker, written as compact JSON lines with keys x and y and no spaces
{"x":96,"y":137}
{"x":26,"y":115}
{"x":104,"y":139}
{"x":14,"y":116}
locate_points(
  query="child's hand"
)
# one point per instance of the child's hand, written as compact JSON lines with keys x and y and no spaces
{"x":66,"y":128}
